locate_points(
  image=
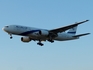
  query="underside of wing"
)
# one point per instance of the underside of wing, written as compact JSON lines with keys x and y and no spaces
{"x":62,"y":29}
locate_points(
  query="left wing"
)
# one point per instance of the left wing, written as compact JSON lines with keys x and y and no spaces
{"x":62,"y":29}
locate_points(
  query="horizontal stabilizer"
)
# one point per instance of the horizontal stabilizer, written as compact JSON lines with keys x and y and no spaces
{"x":81,"y":35}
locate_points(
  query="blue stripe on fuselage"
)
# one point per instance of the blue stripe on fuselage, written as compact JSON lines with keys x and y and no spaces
{"x":29,"y":32}
{"x":72,"y":32}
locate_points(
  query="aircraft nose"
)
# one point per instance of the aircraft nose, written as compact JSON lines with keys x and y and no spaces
{"x":5,"y":28}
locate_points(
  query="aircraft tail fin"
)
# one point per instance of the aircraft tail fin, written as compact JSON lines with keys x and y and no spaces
{"x":72,"y":30}
{"x":81,"y":35}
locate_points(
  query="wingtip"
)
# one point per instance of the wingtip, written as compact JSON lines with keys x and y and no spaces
{"x":88,"y":33}
{"x":87,"y":20}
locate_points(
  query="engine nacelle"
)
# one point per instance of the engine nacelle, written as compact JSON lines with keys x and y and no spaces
{"x":44,"y":32}
{"x":25,"y":39}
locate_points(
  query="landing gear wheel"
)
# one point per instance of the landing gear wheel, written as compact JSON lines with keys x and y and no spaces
{"x":51,"y":41}
{"x":40,"y":44}
{"x":11,"y":37}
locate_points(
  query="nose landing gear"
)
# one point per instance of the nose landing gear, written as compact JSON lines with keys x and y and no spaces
{"x":10,"y":35}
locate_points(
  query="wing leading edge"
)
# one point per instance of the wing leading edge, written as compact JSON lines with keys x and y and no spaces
{"x":62,"y":29}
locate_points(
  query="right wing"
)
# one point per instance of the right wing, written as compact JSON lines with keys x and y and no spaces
{"x":62,"y":29}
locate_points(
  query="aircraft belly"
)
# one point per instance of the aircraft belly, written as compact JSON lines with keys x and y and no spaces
{"x":64,"y":37}
{"x":38,"y":37}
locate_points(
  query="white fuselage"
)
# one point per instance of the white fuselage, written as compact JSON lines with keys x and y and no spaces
{"x":33,"y":33}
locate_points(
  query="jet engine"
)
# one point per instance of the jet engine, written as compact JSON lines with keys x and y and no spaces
{"x":25,"y":39}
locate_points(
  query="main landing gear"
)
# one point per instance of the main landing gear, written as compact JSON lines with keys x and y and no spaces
{"x":39,"y":43}
{"x":51,"y":41}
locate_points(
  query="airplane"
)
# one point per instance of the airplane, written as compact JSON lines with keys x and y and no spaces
{"x":30,"y":33}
